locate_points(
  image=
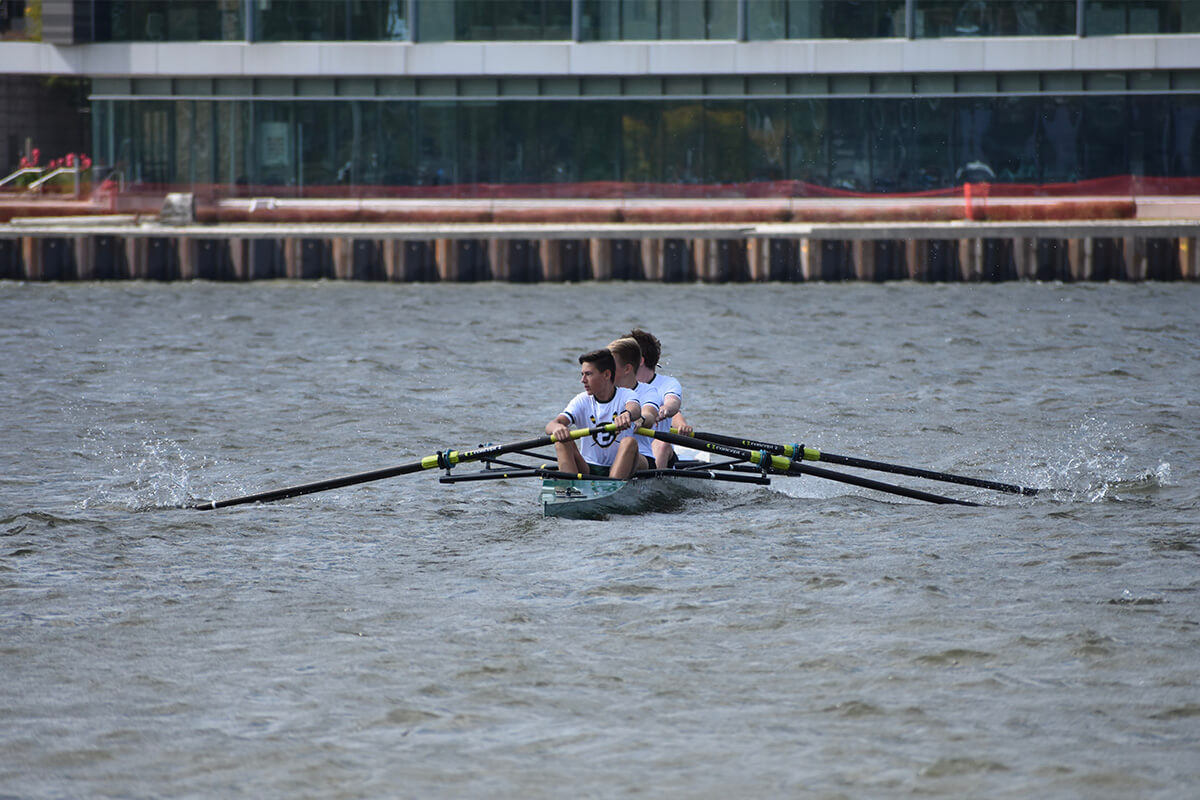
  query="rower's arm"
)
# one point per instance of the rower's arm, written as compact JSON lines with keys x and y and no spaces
{"x":559,"y":428}
{"x":681,"y":424}
{"x":649,"y":415}
{"x":670,"y":406}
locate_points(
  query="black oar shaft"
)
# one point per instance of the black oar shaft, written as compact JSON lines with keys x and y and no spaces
{"x":785,"y":464}
{"x":813,"y":454}
{"x":917,"y":472}
{"x":446,"y":459}
{"x":867,"y":483}
{"x":316,"y":486}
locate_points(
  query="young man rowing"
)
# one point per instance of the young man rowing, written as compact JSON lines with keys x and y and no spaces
{"x":668,"y":387}
{"x":628,"y":357}
{"x":600,"y":403}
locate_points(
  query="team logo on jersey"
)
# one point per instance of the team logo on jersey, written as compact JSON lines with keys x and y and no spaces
{"x":603,"y":438}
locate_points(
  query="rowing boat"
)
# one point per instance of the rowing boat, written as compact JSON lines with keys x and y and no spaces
{"x":573,"y":495}
{"x":597,"y":498}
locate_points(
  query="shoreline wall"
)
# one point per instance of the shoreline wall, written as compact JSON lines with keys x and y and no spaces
{"x":946,"y":252}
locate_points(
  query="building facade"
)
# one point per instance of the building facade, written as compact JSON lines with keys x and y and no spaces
{"x":650,"y":97}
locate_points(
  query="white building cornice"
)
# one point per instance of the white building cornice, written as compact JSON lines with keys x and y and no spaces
{"x":619,"y":59}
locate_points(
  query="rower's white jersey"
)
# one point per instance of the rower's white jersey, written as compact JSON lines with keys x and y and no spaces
{"x":666,"y":385}
{"x":585,"y":411}
{"x":647,"y":395}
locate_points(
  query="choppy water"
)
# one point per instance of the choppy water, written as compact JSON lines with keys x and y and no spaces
{"x":408,"y":639}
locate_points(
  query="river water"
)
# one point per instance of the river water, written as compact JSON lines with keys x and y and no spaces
{"x":411,"y":639}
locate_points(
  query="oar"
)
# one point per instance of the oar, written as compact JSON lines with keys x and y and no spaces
{"x":785,"y":464}
{"x":813,"y":454}
{"x":438,"y":460}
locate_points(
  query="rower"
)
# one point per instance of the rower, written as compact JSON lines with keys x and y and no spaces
{"x":627,"y":355}
{"x":672,"y":394}
{"x":600,"y":403}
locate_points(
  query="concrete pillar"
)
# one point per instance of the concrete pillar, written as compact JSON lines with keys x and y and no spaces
{"x":1022,"y":257}
{"x":84,"y":248}
{"x":914,"y":257}
{"x":187,"y":258}
{"x":969,"y":256}
{"x":239,"y":264}
{"x":863,"y":253}
{"x":807,"y":246}
{"x":1189,"y":258}
{"x":500,"y":257}
{"x":291,"y":258}
{"x":342,"y":258}
{"x":390,"y":251}
{"x":1134,"y":249}
{"x":651,"y":252}
{"x":601,"y":254}
{"x":550,"y":256}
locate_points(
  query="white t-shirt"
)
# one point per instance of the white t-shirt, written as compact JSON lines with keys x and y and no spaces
{"x":647,"y":395}
{"x":666,"y":385}
{"x":584,"y":411}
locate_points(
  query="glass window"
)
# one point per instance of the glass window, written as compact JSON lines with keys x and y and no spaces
{"x":479,"y":129}
{"x":891,"y":145}
{"x":167,"y":20}
{"x":766,"y":140}
{"x":1062,"y":132}
{"x":330,"y":20}
{"x":597,"y":141}
{"x":437,"y":140}
{"x":641,"y":142}
{"x":489,"y":20}
{"x":683,"y":139}
{"x":808,"y":152}
{"x":1104,"y":148}
{"x":1184,"y":135}
{"x":649,"y":20}
{"x":274,"y":145}
{"x":842,"y":19}
{"x":1012,"y":143}
{"x":396,"y":142}
{"x":949,"y":18}
{"x":1110,"y":17}
{"x":933,"y":159}
{"x":849,"y":145}
{"x":558,"y":125}
{"x":724,"y":141}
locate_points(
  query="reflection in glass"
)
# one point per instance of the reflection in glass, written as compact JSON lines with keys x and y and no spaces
{"x":1110,"y":17}
{"x":824,"y":19}
{"x":167,"y":20}
{"x":322,"y":20}
{"x":949,"y":18}
{"x":885,"y":145}
{"x":488,"y":20}
{"x":650,"y":20}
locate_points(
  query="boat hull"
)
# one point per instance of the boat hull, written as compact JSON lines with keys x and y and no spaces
{"x":599,"y":497}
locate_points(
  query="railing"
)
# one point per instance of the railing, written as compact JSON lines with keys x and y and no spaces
{"x":23,"y":171}
{"x":36,"y":186}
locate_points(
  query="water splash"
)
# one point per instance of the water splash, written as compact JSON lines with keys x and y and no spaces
{"x":143,"y":473}
{"x":1095,"y":464}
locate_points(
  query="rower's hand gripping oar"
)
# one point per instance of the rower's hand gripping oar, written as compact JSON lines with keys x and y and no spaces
{"x":443,"y":460}
{"x":785,"y":464}
{"x":813,"y":454}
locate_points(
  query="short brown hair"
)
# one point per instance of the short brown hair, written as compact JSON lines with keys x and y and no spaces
{"x":627,"y":351}
{"x":651,"y":346}
{"x":602,"y":360}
